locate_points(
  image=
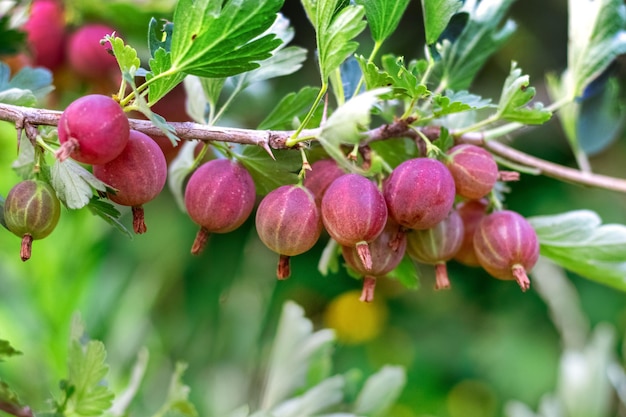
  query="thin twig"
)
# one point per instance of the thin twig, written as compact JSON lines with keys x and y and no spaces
{"x":275,"y":139}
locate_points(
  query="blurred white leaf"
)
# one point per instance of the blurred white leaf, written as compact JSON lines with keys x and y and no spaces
{"x":322,"y":396}
{"x":381,"y":391}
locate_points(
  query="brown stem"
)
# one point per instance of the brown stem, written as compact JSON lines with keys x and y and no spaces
{"x":139,"y":224}
{"x":22,"y":116}
{"x":441,"y":277}
{"x":27,"y":247}
{"x":520,"y":276}
{"x":369,"y":285}
{"x":202,"y":237}
{"x":283,"y":271}
{"x":363,"y":250}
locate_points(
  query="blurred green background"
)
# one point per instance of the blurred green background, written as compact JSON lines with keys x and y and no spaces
{"x":467,"y":351}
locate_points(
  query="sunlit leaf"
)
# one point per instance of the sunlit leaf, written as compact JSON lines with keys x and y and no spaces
{"x":292,"y":106}
{"x":437,"y":14}
{"x":383,"y":16}
{"x":126,"y":55}
{"x":578,"y":241}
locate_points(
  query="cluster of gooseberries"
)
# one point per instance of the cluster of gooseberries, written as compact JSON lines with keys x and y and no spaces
{"x":411,"y":211}
{"x":71,"y":53}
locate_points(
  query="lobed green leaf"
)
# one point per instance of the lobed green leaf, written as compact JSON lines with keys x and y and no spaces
{"x":212,"y":39}
{"x":74,"y":185}
{"x":108,"y":213}
{"x":165,"y":78}
{"x":456,"y":102}
{"x":406,"y":274}
{"x":126,"y":55}
{"x":267,"y":173}
{"x":26,"y":87}
{"x":87,"y":369}
{"x":335,"y":29}
{"x":578,"y":241}
{"x":516,"y":94}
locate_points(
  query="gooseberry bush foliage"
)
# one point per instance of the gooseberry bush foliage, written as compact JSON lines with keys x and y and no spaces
{"x":385,"y":153}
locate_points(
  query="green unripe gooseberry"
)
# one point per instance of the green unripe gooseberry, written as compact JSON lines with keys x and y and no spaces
{"x":31,"y":211}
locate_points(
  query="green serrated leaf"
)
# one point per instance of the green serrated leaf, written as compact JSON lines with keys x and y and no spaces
{"x":126,"y":55}
{"x":578,"y":241}
{"x":383,"y":16}
{"x":177,"y":400}
{"x":109,"y":213}
{"x":267,"y":173}
{"x":381,"y":391}
{"x":516,"y":94}
{"x":396,"y":151}
{"x":597,"y":35}
{"x":166,"y":78}
{"x":86,"y":372}
{"x":25,"y":88}
{"x":374,"y":77}
{"x":456,"y":102}
{"x":293,"y":105}
{"x":74,"y":185}
{"x":404,"y":79}
{"x":217,"y":40}
{"x":461,"y":59}
{"x":6,"y":350}
{"x":437,"y":14}
{"x":335,"y":30}
{"x":24,"y":165}
{"x":159,"y":36}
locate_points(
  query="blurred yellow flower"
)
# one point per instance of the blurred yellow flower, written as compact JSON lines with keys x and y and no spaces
{"x":354,"y":321}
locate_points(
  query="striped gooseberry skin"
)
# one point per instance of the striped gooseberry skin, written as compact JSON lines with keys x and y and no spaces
{"x":354,"y":213}
{"x":288,"y":220}
{"x":353,"y":210}
{"x":220,"y":195}
{"x":32,"y":207}
{"x":507,"y":246}
{"x":387,"y":251}
{"x":471,"y":212}
{"x":419,"y":193}
{"x":93,"y":130}
{"x":474,"y":170}
{"x":323,"y":173}
{"x":437,"y":245}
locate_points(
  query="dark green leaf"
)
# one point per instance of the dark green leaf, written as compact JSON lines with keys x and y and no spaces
{"x":404,"y":79}
{"x":445,"y":140}
{"x":217,"y":40}
{"x":269,"y":174}
{"x":11,"y":40}
{"x":437,"y":14}
{"x":578,"y":241}
{"x":109,"y":213}
{"x":74,"y":185}
{"x":374,"y":76}
{"x":597,"y":35}
{"x":395,"y":151}
{"x":292,"y":106}
{"x":26,"y":87}
{"x":462,"y":58}
{"x":159,"y":36}
{"x":6,"y":350}
{"x":601,"y":119}
{"x":383,"y":16}
{"x":24,"y":165}
{"x":335,"y":31}
{"x":516,"y":94}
